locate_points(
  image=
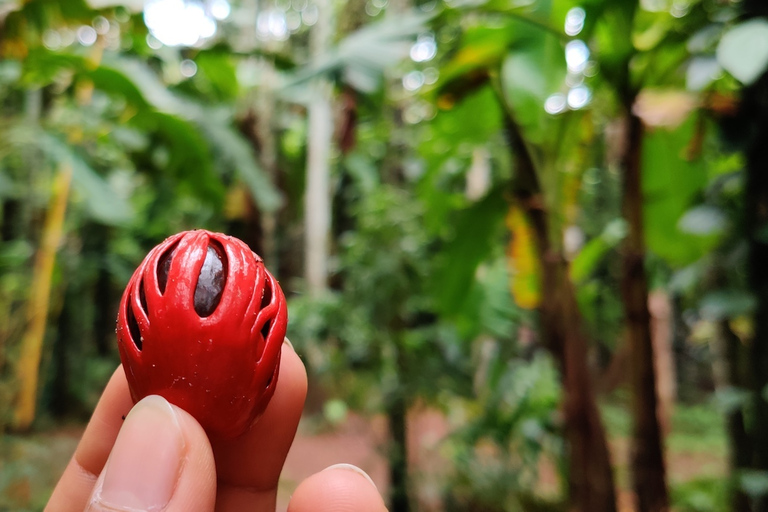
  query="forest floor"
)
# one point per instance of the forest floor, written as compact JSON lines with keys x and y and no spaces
{"x":696,"y":458}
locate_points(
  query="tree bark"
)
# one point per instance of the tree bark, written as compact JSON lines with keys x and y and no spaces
{"x":755,"y":109}
{"x":730,"y":358}
{"x":590,"y":477}
{"x":317,"y":203}
{"x":397,"y":415}
{"x":647,"y":458}
{"x":28,"y":365}
{"x":747,"y":129}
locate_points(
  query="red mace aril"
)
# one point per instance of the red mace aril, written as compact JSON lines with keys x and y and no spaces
{"x":201,"y":323}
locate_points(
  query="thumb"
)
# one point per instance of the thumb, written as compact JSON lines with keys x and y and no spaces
{"x":161,"y":460}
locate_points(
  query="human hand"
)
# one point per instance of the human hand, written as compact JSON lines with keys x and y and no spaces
{"x":159,"y":459}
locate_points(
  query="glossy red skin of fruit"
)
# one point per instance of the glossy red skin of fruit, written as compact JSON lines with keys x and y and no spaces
{"x":220,"y":368}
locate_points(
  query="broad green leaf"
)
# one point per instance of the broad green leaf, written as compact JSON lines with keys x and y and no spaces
{"x":113,"y":81}
{"x":531,"y":73}
{"x":671,"y":183}
{"x":482,"y":49}
{"x":152,"y":89}
{"x":363,"y":56}
{"x":476,"y":232}
{"x":590,"y":256}
{"x":216,"y":75}
{"x":41,"y":66}
{"x":189,"y":156}
{"x":103,"y":203}
{"x":232,"y":151}
{"x":236,"y":154}
{"x":743,"y":50}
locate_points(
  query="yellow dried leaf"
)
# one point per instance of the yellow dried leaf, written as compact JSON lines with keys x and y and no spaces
{"x":523,"y":261}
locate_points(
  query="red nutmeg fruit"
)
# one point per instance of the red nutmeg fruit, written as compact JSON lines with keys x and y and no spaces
{"x":202,"y":323}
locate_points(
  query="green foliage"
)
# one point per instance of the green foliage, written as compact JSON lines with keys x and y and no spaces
{"x":420,"y":300}
{"x":671,"y":182}
{"x":476,"y":231}
{"x":701,"y":495}
{"x":511,"y":424}
{"x":745,"y":66}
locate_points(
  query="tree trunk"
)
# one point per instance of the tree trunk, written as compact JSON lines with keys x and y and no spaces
{"x":755,"y":110}
{"x":728,"y":367}
{"x":747,"y":363}
{"x":590,"y":477}
{"x":647,"y":458}
{"x":28,"y":364}
{"x":397,"y":416}
{"x":317,"y":203}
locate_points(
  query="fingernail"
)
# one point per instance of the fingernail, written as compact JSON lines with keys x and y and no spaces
{"x":350,"y":467}
{"x":286,"y":341}
{"x":145,"y":463}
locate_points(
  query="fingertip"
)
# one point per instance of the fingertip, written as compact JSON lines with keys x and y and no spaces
{"x":339,"y":488}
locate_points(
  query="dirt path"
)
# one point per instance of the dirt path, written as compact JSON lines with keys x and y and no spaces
{"x":31,"y":465}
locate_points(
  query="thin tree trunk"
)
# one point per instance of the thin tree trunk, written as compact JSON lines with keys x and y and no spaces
{"x":265,"y":128}
{"x":317,"y":204}
{"x":727,"y":369}
{"x":397,"y":415}
{"x":590,"y":475}
{"x":28,"y":364}
{"x":755,"y":112}
{"x":647,"y":458}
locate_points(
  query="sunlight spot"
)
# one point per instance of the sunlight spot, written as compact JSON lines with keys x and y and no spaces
{"x":101,"y":24}
{"x":679,"y":9}
{"x":86,"y":35}
{"x":574,"y":21}
{"x":52,"y":40}
{"x":555,"y":104}
{"x":310,"y":15}
{"x":220,"y":9}
{"x":576,"y":55}
{"x":272,"y":24}
{"x":188,"y":68}
{"x":579,"y":97}
{"x":178,"y":22}
{"x":413,"y":81}
{"x":424,"y":49}
{"x":431,"y":75}
{"x":371,"y":9}
{"x":293,"y":21}
{"x":153,"y":42}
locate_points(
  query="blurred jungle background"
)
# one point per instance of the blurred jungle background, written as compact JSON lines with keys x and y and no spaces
{"x":524,"y":242}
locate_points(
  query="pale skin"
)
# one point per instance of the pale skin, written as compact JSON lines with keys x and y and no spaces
{"x":159,"y":459}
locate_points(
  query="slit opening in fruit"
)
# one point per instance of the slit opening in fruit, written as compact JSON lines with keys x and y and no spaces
{"x":164,"y":268}
{"x":211,"y":281}
{"x":265,"y":329}
{"x":266,"y":295}
{"x":133,"y":325}
{"x":143,"y":298}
